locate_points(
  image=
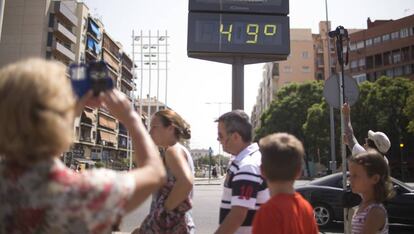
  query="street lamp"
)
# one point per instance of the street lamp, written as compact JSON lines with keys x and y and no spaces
{"x":219,"y":146}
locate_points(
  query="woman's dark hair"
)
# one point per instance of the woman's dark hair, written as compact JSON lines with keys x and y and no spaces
{"x":169,"y":117}
{"x":375,"y":164}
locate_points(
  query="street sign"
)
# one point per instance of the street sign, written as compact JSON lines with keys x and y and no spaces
{"x":331,"y":90}
{"x":248,"y":6}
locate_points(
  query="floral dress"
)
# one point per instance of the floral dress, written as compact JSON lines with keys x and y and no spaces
{"x":48,"y":197}
{"x":177,"y":221}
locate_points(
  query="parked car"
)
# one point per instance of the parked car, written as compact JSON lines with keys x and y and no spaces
{"x":326,"y":194}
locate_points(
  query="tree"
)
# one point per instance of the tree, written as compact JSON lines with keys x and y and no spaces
{"x":409,"y":111}
{"x":289,"y":111}
{"x":316,"y":132}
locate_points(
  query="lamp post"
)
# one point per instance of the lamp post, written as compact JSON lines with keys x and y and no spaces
{"x":219,"y":146}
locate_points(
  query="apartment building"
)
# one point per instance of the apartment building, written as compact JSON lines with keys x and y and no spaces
{"x":298,"y":67}
{"x":64,"y":30}
{"x":385,"y":48}
{"x":41,"y":28}
{"x":312,"y":57}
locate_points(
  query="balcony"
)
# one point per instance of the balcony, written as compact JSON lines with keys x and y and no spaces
{"x":61,"y":51}
{"x":64,"y":13}
{"x":128,"y":82}
{"x":64,"y":34}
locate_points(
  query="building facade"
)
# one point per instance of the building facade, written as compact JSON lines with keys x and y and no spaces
{"x":299,"y":67}
{"x":64,"y":30}
{"x":385,"y":48}
{"x":312,"y":57}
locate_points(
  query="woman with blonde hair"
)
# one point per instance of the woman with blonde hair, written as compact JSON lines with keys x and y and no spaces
{"x":38,"y":193}
{"x":171,"y":206}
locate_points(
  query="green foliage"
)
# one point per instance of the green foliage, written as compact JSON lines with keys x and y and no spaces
{"x":385,"y":105}
{"x":409,"y":111}
{"x":288,"y":112}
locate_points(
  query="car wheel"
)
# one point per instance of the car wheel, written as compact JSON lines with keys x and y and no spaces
{"x":323,"y":214}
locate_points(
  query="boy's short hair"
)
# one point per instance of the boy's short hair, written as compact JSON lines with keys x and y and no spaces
{"x":282,"y":155}
{"x":36,"y":111}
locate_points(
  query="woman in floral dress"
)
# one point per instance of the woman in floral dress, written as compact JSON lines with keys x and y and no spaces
{"x":171,"y":206}
{"x":38,"y":193}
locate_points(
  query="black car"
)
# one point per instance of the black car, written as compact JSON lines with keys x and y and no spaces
{"x":326,"y":196}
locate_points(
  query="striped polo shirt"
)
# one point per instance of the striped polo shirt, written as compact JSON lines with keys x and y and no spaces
{"x":244,"y":186}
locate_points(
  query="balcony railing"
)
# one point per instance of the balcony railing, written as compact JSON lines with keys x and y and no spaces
{"x":62,"y":10}
{"x":64,"y":33}
{"x":61,"y":49}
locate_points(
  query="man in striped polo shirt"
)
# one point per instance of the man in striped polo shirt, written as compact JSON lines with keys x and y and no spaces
{"x":244,"y":187}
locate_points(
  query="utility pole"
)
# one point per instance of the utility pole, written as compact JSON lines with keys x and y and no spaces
{"x":2,"y":3}
{"x":219,"y":146}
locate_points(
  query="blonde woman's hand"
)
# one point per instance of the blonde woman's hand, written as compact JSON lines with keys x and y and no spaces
{"x":87,"y":100}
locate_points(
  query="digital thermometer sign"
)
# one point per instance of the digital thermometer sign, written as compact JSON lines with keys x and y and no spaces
{"x":238,"y":34}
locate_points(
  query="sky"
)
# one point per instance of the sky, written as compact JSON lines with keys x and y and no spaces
{"x":192,"y":83}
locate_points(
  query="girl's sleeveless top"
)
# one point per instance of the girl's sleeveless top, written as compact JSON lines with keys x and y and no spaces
{"x":358,"y":220}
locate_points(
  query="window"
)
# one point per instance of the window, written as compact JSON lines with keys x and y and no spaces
{"x":48,"y":55}
{"x":390,"y":73}
{"x":387,"y":58}
{"x":386,"y":37}
{"x":305,"y":69}
{"x":305,"y":54}
{"x":396,"y":56}
{"x":377,"y":40}
{"x":361,"y":62}
{"x":404,"y":32}
{"x":368,"y":42}
{"x":360,"y":45}
{"x":49,"y":38}
{"x":370,"y":62}
{"x":405,"y":54}
{"x":407,"y":69}
{"x":319,"y":76}
{"x":378,"y":60}
{"x":51,"y":20}
{"x":275,"y":69}
{"x":395,"y":35}
{"x":360,"y":78}
{"x":352,"y":46}
{"x":287,"y":69}
{"x":398,"y":71}
{"x":354,"y":64}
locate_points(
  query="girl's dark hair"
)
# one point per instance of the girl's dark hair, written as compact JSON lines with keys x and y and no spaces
{"x":170,"y":117}
{"x":375,"y":164}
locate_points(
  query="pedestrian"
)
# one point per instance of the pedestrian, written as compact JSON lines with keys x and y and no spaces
{"x":287,"y":212}
{"x":171,"y":206}
{"x":39,"y":194}
{"x":244,"y":187}
{"x":214,"y":172}
{"x":375,"y":140}
{"x":369,"y":176}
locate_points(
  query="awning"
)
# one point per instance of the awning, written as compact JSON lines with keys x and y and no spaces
{"x":108,"y":137}
{"x":107,"y":122}
{"x":90,"y":116}
{"x":90,"y":44}
{"x":97,"y":48}
{"x":94,"y":29}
